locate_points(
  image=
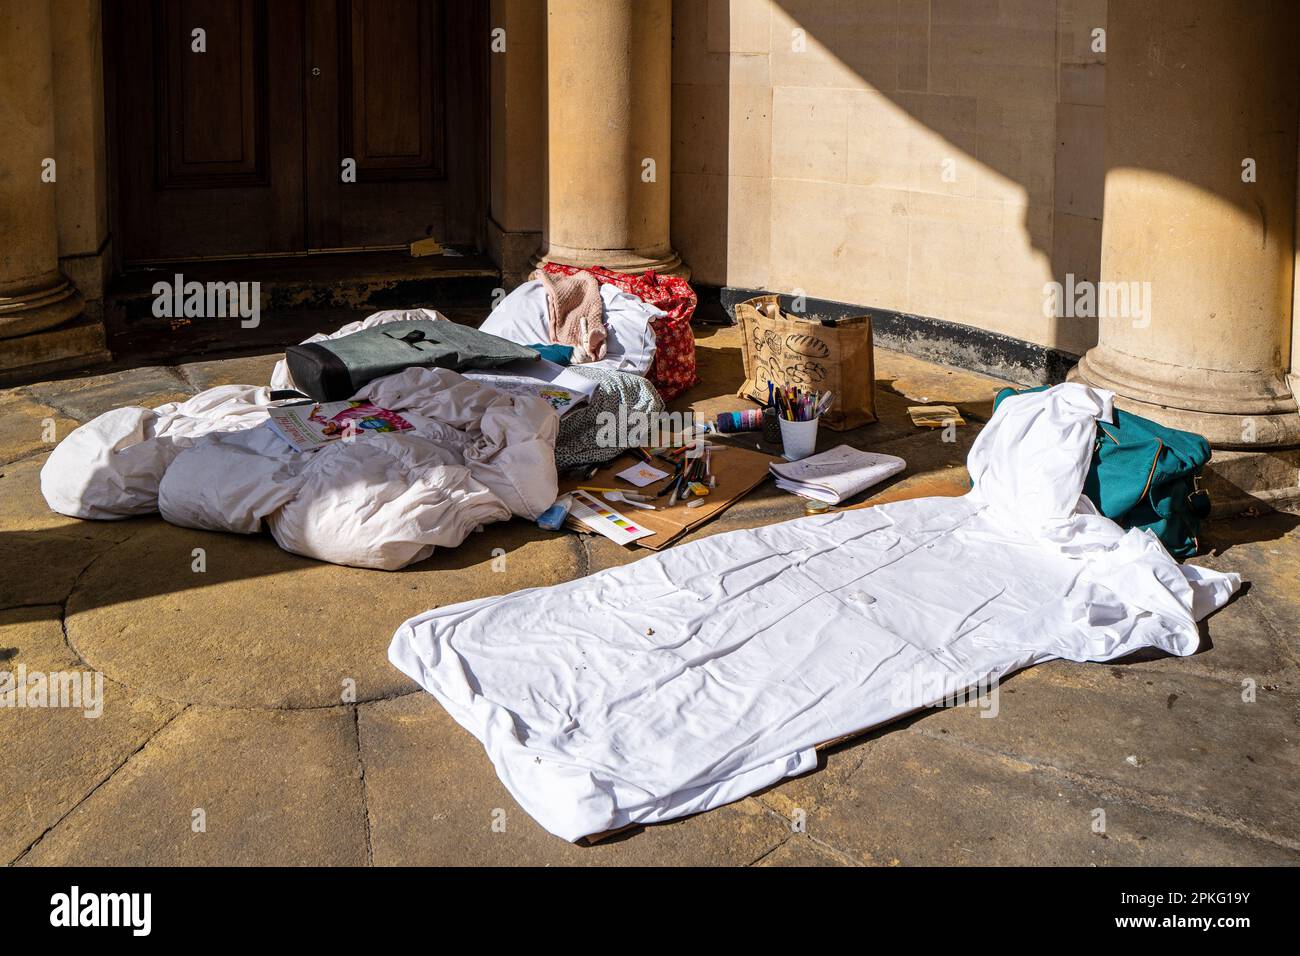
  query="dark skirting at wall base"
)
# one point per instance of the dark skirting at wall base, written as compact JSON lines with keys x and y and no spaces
{"x":937,"y":340}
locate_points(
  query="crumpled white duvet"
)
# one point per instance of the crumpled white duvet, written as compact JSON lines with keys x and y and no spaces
{"x":474,"y":455}
{"x":700,"y":674}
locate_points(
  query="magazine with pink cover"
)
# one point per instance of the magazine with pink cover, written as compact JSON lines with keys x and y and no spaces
{"x":309,"y":426}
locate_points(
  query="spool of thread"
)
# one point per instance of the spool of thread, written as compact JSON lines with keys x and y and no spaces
{"x":748,"y":420}
{"x":771,"y":426}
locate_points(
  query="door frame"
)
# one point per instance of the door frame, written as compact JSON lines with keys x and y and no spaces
{"x":473,"y":59}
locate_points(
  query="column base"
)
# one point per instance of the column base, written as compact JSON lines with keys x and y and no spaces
{"x":1245,"y":415}
{"x":74,"y":345}
{"x":1253,"y":481}
{"x":664,"y":262}
{"x":24,"y":311}
{"x":513,"y":252}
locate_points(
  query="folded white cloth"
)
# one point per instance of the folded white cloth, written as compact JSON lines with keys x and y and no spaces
{"x":837,"y":474}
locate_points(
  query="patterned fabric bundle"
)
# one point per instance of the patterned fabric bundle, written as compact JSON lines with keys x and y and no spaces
{"x":577,"y":444}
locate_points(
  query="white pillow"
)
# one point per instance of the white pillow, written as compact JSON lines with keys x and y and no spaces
{"x":631,"y":345}
{"x":522,"y":317}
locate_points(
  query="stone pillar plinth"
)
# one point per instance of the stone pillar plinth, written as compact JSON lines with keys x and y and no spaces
{"x":609,"y":114}
{"x":1199,"y":224}
{"x":34,"y":295}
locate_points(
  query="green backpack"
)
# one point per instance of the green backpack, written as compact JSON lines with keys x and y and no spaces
{"x":1144,"y":475}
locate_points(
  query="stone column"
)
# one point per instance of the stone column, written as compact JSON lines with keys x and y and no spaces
{"x":609,"y":113}
{"x":1198,"y":92}
{"x":34,"y":295}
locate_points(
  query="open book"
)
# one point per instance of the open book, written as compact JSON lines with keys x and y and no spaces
{"x":559,"y":387}
{"x":837,"y":474}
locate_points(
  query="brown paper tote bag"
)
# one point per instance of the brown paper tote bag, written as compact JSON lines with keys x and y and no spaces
{"x":830,"y":354}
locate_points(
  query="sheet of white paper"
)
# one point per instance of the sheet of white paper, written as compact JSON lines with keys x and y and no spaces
{"x":642,"y":474}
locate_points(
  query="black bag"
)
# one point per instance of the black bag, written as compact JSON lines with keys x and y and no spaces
{"x":337,"y":369}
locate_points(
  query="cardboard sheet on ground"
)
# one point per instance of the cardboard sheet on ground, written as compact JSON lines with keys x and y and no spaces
{"x":739,"y":471}
{"x":923,"y":487}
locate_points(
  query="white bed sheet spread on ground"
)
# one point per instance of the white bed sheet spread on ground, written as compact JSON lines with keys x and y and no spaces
{"x":473,"y":455}
{"x":700,"y":674}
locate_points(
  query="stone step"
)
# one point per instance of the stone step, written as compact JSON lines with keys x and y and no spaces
{"x":360,"y":281}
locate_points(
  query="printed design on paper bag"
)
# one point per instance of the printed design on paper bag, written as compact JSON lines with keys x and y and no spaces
{"x":805,"y":373}
{"x":767,"y":339}
{"x":808,"y":345}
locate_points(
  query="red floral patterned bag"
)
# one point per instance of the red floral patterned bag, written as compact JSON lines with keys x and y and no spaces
{"x":673,"y":371}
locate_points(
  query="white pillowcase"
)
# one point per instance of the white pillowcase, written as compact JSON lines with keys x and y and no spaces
{"x":522,"y":317}
{"x":631,"y":345}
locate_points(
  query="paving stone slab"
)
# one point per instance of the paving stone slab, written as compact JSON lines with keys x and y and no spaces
{"x":249,"y":370}
{"x":22,"y":508}
{"x":1274,"y":529}
{"x":802,"y":852}
{"x":1265,"y":551}
{"x":1180,"y":738}
{"x":55,"y":756}
{"x":264,"y":628}
{"x":912,"y":800}
{"x":28,"y":427}
{"x":274,"y":788}
{"x":91,"y":396}
{"x":1239,"y":642}
{"x":41,"y":567}
{"x":434,"y":799}
{"x":928,"y":383}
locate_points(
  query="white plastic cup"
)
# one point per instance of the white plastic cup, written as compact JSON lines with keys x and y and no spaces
{"x":798,"y":439}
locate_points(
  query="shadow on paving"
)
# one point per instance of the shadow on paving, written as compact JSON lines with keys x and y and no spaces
{"x":52,"y":562}
{"x":1220,"y":537}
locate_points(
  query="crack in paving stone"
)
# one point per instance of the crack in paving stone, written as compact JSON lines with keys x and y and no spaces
{"x":26,"y":457}
{"x":63,"y":610}
{"x":1276,"y":630}
{"x":95,"y":789}
{"x":768,"y":852}
{"x":584,"y":556}
{"x":365,"y":799}
{"x":845,"y":858}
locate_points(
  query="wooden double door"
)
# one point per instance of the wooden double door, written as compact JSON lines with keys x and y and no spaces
{"x":265,"y":127}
